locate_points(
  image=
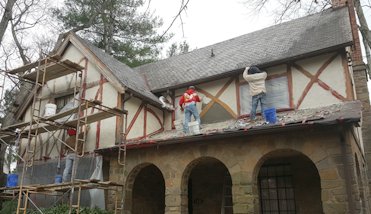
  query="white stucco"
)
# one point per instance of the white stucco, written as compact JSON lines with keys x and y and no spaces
{"x":229,"y":97}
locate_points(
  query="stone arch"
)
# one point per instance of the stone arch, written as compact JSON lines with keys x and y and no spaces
{"x":292,"y":178}
{"x":193,"y":182}
{"x":145,"y":190}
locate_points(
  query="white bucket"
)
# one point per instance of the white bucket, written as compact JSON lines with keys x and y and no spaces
{"x":178,"y":125}
{"x":50,"y":109}
{"x":194,"y":127}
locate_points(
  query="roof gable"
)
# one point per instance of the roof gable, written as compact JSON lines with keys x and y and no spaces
{"x":120,"y":75}
{"x":323,"y":31}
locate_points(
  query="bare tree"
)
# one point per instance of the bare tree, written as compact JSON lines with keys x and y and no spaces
{"x":7,"y":16}
{"x":289,"y":9}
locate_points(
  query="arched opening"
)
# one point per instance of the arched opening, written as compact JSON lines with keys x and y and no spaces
{"x":148,"y":191}
{"x":208,"y":187}
{"x":288,"y":182}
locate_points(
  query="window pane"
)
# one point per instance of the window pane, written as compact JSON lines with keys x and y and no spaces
{"x":272,"y":183}
{"x":276,"y":189}
{"x":264,"y":183}
{"x":282,"y":193}
{"x":265,"y":194}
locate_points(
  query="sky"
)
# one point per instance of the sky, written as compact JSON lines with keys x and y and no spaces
{"x":206,"y":22}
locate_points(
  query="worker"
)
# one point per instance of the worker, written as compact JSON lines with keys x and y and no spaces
{"x":71,"y":155}
{"x":187,"y":104}
{"x":256,"y":79}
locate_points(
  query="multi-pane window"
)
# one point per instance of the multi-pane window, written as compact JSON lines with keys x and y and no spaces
{"x":276,"y":189}
{"x":277,"y":95}
{"x":63,"y":101}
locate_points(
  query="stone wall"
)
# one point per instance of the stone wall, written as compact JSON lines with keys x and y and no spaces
{"x":360,"y":81}
{"x":243,"y":157}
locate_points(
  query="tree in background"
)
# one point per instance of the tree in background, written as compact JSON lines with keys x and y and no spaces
{"x":7,"y":102}
{"x":175,"y":49}
{"x":116,"y":26}
{"x":290,"y":9}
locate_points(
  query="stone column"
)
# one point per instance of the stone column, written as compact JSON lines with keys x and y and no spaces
{"x":242,"y":191}
{"x":173,"y":192}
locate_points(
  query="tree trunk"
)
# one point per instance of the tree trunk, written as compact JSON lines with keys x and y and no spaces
{"x":7,"y":16}
{"x":19,"y":46}
{"x":365,"y":31}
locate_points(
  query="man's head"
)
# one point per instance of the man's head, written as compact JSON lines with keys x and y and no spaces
{"x":254,"y":70}
{"x":191,"y":87}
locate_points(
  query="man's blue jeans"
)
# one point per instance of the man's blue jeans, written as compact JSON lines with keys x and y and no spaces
{"x":70,"y":158}
{"x":255,"y":102}
{"x":190,"y":110}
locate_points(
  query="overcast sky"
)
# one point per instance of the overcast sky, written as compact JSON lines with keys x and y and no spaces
{"x":207,"y":22}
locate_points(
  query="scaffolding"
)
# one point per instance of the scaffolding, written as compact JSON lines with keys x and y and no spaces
{"x":78,"y":118}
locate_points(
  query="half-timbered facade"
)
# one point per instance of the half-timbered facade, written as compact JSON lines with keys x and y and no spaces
{"x":312,"y":161}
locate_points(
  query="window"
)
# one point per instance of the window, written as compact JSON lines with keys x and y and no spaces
{"x":277,"y":95}
{"x":63,"y":101}
{"x":276,"y":189}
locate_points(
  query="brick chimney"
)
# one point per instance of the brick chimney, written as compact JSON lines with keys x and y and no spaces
{"x":356,"y":53}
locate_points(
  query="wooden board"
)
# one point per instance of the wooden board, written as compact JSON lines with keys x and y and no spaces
{"x":53,"y":71}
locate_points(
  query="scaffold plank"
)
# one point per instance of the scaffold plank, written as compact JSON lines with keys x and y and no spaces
{"x":53,"y":70}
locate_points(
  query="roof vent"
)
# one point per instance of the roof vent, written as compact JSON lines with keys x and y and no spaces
{"x":212,"y":52}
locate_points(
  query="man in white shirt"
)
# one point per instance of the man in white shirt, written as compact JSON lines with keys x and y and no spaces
{"x":256,"y":79}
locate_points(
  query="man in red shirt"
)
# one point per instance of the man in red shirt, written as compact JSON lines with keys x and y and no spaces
{"x":187,"y":104}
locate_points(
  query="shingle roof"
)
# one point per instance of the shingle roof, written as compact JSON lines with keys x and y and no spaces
{"x":127,"y":76}
{"x":323,"y":31}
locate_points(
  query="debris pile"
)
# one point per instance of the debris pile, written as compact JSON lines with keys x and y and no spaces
{"x":302,"y":116}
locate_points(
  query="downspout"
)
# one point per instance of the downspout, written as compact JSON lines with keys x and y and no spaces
{"x":347,"y":169}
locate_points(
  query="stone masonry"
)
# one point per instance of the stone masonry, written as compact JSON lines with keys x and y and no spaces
{"x":242,"y":156}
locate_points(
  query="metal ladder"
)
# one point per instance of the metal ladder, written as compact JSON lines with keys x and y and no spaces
{"x":121,"y":159}
{"x":81,"y":124}
{"x":34,"y":124}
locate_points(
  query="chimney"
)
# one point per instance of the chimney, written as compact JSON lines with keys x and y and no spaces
{"x":356,"y":48}
{"x":338,"y":3}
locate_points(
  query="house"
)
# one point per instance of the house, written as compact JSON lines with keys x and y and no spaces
{"x":313,"y":160}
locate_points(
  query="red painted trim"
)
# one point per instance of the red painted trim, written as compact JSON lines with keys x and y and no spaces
{"x":238,"y":99}
{"x":313,"y":78}
{"x":85,"y":78}
{"x":134,"y":118}
{"x":145,"y":121}
{"x":274,"y":76}
{"x":155,"y":132}
{"x":348,"y":81}
{"x":100,"y":98}
{"x":278,"y":110}
{"x":156,"y":116}
{"x":118,"y":119}
{"x":290,"y":86}
{"x":173,"y":112}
